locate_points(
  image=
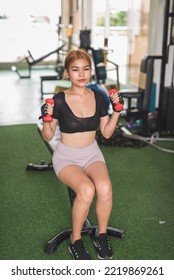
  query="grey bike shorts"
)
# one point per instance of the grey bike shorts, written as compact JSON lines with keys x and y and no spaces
{"x":64,"y":155}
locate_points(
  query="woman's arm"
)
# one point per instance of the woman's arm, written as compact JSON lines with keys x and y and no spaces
{"x":108,"y":124}
{"x":49,"y":128}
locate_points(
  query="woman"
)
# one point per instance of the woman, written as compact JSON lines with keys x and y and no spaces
{"x":77,"y":159}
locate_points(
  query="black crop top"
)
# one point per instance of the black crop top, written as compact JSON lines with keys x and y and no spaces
{"x":69,"y":123}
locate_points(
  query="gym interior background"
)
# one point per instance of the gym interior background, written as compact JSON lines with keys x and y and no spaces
{"x":35,"y":36}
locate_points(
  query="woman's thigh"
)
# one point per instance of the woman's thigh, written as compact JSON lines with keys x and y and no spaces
{"x":74,"y":177}
{"x":99,"y":174}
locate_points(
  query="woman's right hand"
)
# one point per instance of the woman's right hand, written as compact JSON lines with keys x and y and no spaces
{"x":49,"y":108}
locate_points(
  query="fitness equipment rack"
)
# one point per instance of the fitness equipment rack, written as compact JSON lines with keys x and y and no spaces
{"x":166,"y":94}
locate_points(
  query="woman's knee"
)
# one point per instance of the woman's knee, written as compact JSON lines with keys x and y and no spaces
{"x":86,"y":192}
{"x":104,"y":190}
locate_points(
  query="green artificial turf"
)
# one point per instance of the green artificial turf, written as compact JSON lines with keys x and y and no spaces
{"x":35,"y":206}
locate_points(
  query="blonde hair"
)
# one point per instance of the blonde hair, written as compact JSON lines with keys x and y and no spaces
{"x":72,"y":56}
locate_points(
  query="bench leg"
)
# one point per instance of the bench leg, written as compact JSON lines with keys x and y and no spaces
{"x":39,"y":167}
{"x":52,"y":245}
{"x":87,"y":229}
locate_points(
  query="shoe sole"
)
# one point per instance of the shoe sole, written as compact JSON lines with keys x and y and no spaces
{"x":107,"y":258}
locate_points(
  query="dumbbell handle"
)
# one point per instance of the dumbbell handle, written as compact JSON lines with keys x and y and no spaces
{"x":118,"y":106}
{"x":48,"y":117}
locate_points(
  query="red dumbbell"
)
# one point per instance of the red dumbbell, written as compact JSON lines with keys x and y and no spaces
{"x":118,"y":106}
{"x":48,"y":118}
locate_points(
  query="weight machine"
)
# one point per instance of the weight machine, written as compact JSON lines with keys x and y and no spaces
{"x":166,"y":96}
{"x":31,"y":61}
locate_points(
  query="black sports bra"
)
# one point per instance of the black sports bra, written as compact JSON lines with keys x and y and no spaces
{"x":69,"y":123}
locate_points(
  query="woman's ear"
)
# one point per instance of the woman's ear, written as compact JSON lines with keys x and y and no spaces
{"x":65,"y":75}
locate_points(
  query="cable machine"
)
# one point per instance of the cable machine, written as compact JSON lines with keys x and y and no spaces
{"x":166,"y":96}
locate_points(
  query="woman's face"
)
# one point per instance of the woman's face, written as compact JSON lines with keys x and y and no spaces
{"x":79,"y":72}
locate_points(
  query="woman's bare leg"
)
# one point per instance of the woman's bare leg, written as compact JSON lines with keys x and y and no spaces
{"x":98,"y":173}
{"x":75,"y":178}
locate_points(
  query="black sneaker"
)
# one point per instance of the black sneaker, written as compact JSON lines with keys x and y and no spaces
{"x":104,"y":250}
{"x":79,"y":251}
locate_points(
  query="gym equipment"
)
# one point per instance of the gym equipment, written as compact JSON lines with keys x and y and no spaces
{"x":85,"y":39}
{"x":48,"y":78}
{"x":140,"y":109}
{"x":60,"y":67}
{"x":123,"y":137}
{"x":163,"y":120}
{"x":166,"y":101}
{"x":102,"y":89}
{"x":48,"y":118}
{"x":31,"y":61}
{"x":101,"y":66}
{"x":119,"y":139}
{"x":167,"y":121}
{"x":118,"y":107}
{"x":88,"y":229}
{"x":99,"y":58}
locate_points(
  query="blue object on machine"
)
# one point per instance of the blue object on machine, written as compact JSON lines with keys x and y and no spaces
{"x":102,"y":90}
{"x":152,"y":98}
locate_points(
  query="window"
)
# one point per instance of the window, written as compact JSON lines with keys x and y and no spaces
{"x":137,"y":36}
{"x":125,"y":24}
{"x":28,"y":25}
{"x":110,"y":21}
